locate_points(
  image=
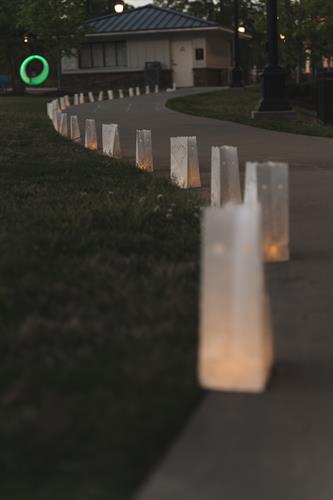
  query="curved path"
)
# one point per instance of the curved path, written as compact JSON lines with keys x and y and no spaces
{"x":149,"y":112}
{"x":278,"y":445}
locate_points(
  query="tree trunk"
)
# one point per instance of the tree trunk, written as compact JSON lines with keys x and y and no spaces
{"x":17,"y":84}
{"x":59,"y":83}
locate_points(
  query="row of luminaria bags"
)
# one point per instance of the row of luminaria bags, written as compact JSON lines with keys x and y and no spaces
{"x":238,"y":235}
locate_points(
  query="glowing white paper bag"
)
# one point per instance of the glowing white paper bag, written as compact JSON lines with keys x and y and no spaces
{"x":49,"y":107}
{"x":90,"y":141}
{"x":56,"y":120}
{"x":91,"y":97}
{"x":53,"y":110}
{"x":144,"y":151}
{"x":63,"y":127}
{"x":269,"y":181}
{"x":131,"y":92}
{"x":172,"y":89}
{"x":101,"y":96}
{"x":111,"y":140}
{"x":236,"y":348}
{"x":121,"y":93}
{"x":110,"y":95}
{"x":81,"y":98}
{"x":137,"y":91}
{"x":76,"y":99}
{"x":67,"y":101}
{"x":250,"y":184}
{"x":147,"y":89}
{"x":225,"y":181}
{"x":184,"y":162}
{"x":273,"y":194}
{"x":62,"y":104}
{"x":75,"y":133}
{"x":157,"y":89}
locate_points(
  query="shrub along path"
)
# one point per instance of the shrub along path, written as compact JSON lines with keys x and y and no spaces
{"x":98,"y":314}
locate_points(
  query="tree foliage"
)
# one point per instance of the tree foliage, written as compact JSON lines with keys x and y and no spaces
{"x":53,"y":27}
{"x":58,"y":24}
{"x":307,"y":25}
{"x":95,"y":8}
{"x":215,"y":10}
{"x":11,"y":40}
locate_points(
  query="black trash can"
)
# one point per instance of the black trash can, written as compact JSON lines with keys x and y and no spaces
{"x":152,"y":73}
{"x":325,"y":96}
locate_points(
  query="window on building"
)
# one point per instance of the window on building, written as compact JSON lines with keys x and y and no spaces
{"x":97,"y":54}
{"x":199,"y":54}
{"x":121,"y":52}
{"x":103,"y":55}
{"x":110,"y":54}
{"x":85,"y":57}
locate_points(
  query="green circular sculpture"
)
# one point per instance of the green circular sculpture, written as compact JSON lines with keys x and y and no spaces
{"x":36,"y":80}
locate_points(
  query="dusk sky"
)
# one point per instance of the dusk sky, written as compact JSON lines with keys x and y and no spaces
{"x":138,"y":3}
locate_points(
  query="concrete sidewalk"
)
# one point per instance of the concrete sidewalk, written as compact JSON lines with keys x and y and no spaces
{"x":150,"y":112}
{"x":279,"y":445}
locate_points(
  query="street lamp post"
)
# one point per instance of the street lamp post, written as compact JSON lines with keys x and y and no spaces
{"x":119,"y":6}
{"x":274,"y":94}
{"x":113,"y":5}
{"x":237,"y":73}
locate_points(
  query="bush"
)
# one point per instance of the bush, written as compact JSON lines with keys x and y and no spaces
{"x":304,"y":94}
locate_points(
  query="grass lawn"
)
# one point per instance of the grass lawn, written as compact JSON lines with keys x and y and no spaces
{"x":236,"y":105}
{"x":98,"y":315}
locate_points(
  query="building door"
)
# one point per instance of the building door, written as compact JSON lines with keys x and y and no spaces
{"x":182,"y":63}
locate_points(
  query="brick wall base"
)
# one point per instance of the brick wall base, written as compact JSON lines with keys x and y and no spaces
{"x":104,"y":81}
{"x":84,"y":82}
{"x":213,"y":77}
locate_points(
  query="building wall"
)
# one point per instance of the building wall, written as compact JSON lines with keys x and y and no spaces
{"x":211,"y":70}
{"x":140,"y":51}
{"x":212,"y":77}
{"x":78,"y":82}
{"x":219,"y":50}
{"x":70,"y":63}
{"x":199,"y":43}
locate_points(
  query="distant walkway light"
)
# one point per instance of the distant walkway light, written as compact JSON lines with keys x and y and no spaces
{"x":241,"y":29}
{"x":119,"y":6}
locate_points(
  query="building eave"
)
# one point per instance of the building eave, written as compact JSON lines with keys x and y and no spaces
{"x":166,"y":31}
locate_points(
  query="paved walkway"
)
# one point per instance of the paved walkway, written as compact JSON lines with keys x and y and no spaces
{"x":150,"y":112}
{"x":279,"y":445}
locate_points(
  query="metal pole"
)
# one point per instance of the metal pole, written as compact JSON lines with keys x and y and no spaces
{"x":88,"y":8}
{"x":272,"y":32}
{"x":237,"y":73}
{"x":274,"y":94}
{"x":236,"y":33}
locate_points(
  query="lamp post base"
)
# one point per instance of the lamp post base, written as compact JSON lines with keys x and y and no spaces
{"x":274,"y":90}
{"x":237,"y":78}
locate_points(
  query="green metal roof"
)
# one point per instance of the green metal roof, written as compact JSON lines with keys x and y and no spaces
{"x":147,"y":18}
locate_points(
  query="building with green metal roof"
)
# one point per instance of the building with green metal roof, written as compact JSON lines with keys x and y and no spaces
{"x":122,"y":50}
